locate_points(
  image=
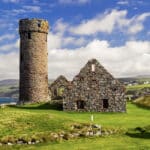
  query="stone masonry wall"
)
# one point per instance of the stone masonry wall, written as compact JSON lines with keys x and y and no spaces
{"x":93,"y":88}
{"x":33,"y":60}
{"x":60,"y":82}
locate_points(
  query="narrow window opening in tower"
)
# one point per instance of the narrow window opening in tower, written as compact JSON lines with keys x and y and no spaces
{"x":93,"y":67}
{"x":46,"y":38}
{"x":39,"y":24}
{"x":24,"y":34}
{"x":21,"y":57}
{"x":29,"y":35}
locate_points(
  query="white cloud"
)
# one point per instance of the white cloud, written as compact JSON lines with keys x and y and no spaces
{"x":32,"y":8}
{"x":9,"y":66}
{"x":135,"y":29}
{"x":11,"y":1}
{"x":57,"y":38}
{"x":74,"y":1}
{"x":102,"y":23}
{"x":54,"y":40}
{"x":109,"y":21}
{"x":16,"y":11}
{"x":24,"y":9}
{"x":136,"y":23}
{"x":9,"y":47}
{"x":129,"y":60}
{"x":60,"y":26}
{"x":36,"y":1}
{"x":5,"y":24}
{"x":9,"y":61}
{"x":125,"y":2}
{"x":7,"y":37}
{"x":143,"y":16}
{"x":74,"y":41}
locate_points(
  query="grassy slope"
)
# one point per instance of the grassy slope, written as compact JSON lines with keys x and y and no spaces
{"x":137,"y":87}
{"x":9,"y":91}
{"x":143,"y":101}
{"x":5,"y":88}
{"x":144,"y":79}
{"x":18,"y":121}
{"x":104,"y":143}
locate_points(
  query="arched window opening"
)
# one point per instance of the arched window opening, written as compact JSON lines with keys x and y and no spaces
{"x":55,"y":92}
{"x":61,"y":91}
{"x":80,"y":104}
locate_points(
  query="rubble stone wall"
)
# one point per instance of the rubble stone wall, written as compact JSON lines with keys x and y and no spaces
{"x":33,"y":60}
{"x":92,"y":88}
{"x":60,"y":82}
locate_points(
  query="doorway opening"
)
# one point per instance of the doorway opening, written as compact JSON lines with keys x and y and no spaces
{"x":105,"y":103}
{"x":80,"y":104}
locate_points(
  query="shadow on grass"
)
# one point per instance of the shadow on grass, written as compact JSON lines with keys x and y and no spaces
{"x":139,"y":132}
{"x":139,"y":135}
{"x":44,"y":106}
{"x":142,"y":106}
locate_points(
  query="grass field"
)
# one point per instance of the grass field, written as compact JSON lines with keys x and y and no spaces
{"x":8,"y":91}
{"x":137,"y":87}
{"x":143,"y":101}
{"x":35,"y":119}
{"x":103,"y":143}
{"x":5,"y":88}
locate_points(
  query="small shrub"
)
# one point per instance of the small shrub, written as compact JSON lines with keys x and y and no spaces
{"x":8,"y":139}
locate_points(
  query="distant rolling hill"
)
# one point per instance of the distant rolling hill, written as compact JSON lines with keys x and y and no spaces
{"x":9,"y":82}
{"x":10,"y":87}
{"x":15,"y":82}
{"x":143,"y":76}
{"x":136,"y":78}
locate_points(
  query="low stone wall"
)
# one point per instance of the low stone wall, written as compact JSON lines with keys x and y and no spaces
{"x":76,"y":131}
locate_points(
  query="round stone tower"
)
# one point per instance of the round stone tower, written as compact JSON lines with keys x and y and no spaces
{"x":33,"y":60}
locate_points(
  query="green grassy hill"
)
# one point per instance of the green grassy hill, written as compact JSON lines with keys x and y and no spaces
{"x":9,"y":91}
{"x":137,"y":87}
{"x":143,"y":101}
{"x":37,"y":119}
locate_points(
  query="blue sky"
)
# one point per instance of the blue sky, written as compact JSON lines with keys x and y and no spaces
{"x":116,"y":32}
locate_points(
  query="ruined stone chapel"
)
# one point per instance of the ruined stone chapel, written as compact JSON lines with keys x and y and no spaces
{"x":93,"y":89}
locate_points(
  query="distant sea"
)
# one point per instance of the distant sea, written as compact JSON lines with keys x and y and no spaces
{"x":4,"y":100}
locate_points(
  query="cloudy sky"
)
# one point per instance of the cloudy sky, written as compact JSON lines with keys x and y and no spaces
{"x":116,"y":32}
